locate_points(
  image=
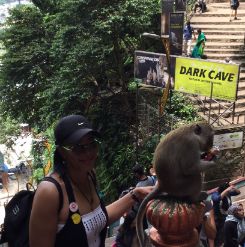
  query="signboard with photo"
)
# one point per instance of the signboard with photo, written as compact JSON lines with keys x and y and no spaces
{"x":176,"y":32}
{"x":151,"y":68}
{"x":229,"y":140}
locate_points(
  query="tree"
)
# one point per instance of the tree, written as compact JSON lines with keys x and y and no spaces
{"x":25,"y":64}
{"x":55,"y":64}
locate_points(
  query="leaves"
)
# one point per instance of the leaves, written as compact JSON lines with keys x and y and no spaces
{"x":76,"y":56}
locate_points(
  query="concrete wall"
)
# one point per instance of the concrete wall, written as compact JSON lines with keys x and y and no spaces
{"x":231,"y":161}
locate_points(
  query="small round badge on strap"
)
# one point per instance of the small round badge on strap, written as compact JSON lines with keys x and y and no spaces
{"x":73,"y":207}
{"x":76,"y":218}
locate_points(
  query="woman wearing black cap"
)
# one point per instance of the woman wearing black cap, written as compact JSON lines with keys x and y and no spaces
{"x":83,"y":218}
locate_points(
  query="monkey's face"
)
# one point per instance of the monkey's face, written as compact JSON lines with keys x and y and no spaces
{"x":206,"y":136}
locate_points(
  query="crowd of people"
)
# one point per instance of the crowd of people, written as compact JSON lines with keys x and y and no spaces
{"x":223,"y":221}
{"x":82,"y":219}
{"x":126,"y":235}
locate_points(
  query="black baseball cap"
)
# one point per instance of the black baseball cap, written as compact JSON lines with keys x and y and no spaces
{"x":70,"y":129}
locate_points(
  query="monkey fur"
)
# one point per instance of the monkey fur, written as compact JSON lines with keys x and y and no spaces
{"x":178,"y":166}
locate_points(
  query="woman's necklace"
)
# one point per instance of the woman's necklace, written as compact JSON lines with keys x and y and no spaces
{"x":89,"y":200}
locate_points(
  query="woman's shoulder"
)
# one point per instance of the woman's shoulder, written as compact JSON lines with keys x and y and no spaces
{"x":49,"y":186}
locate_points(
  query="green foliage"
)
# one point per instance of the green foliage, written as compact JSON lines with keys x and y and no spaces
{"x":132,"y":86}
{"x":114,"y":170}
{"x":37,"y":152}
{"x":49,"y":145}
{"x":55,"y":64}
{"x":47,"y":6}
{"x":181,"y":107}
{"x":38,"y":174}
{"x":146,"y":151}
{"x":190,"y":5}
{"x":10,"y":129}
{"x":43,"y":148}
{"x":24,"y":64}
{"x":117,"y":152}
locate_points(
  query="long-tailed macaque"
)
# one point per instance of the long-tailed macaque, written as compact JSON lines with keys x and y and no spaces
{"x":178,"y":166}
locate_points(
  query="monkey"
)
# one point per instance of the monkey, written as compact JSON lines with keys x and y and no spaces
{"x":178,"y":166}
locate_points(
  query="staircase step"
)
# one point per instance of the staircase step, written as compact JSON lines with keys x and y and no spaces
{"x":219,"y":56}
{"x":223,"y":45}
{"x":223,"y":121}
{"x":225,"y":14}
{"x":221,"y":32}
{"x":241,"y":80}
{"x":242,"y":76}
{"x":225,"y":50}
{"x":227,"y":114}
{"x":221,"y":59}
{"x":217,"y":20}
{"x":241,"y":94}
{"x":230,"y":26}
{"x":233,"y":38}
{"x":240,"y":104}
{"x":224,"y":39}
{"x":220,"y":13}
{"x":226,"y":5}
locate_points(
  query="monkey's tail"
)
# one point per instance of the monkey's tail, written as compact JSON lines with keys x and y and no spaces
{"x":140,"y":216}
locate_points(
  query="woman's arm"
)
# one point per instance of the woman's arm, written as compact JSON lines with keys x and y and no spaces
{"x":44,"y":216}
{"x":122,"y":205}
{"x":228,"y":191}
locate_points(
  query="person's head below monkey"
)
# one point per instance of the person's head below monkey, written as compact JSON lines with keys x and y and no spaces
{"x":138,"y":172}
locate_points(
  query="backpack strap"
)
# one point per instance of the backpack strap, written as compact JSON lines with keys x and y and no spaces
{"x":69,"y":190}
{"x":58,"y":187}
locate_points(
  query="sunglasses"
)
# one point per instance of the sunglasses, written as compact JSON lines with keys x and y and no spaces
{"x":79,"y":148}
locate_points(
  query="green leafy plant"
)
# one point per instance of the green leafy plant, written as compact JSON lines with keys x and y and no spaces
{"x":181,"y":107}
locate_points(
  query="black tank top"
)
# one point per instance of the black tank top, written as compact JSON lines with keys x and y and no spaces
{"x":74,"y":234}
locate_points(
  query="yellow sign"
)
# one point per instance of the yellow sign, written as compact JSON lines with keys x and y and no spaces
{"x":196,"y":76}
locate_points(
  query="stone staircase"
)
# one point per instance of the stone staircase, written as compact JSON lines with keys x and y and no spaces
{"x":224,"y":39}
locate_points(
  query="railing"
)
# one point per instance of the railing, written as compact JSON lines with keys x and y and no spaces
{"x":222,"y":110}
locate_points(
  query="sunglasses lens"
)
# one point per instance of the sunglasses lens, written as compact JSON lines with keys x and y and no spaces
{"x":86,"y":147}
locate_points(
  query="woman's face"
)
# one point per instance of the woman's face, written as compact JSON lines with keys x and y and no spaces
{"x":82,"y":155}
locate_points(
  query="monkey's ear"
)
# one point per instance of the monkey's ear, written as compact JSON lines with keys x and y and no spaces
{"x":198,"y":129}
